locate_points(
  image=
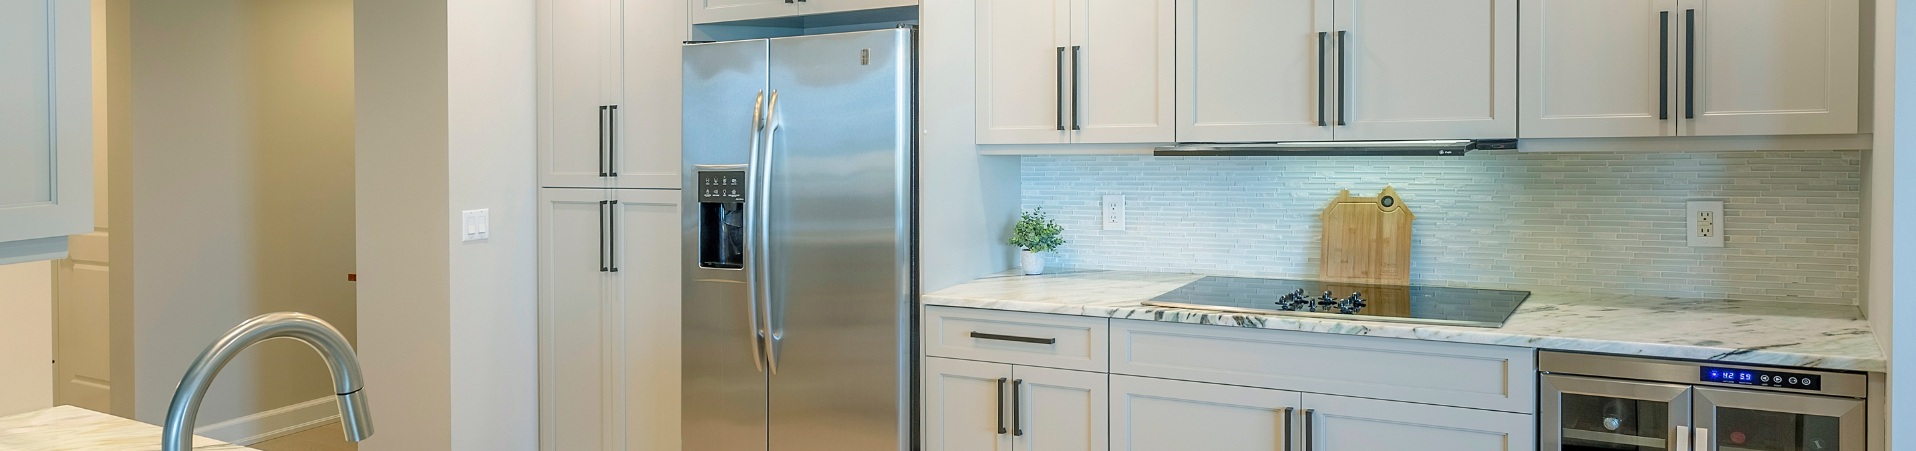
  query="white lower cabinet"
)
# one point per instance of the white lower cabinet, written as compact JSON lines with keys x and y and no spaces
{"x":608,"y":319}
{"x":1342,"y":423}
{"x":975,"y":406}
{"x":1166,"y":415}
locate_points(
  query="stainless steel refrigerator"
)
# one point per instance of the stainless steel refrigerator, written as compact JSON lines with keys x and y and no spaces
{"x":799,"y":275}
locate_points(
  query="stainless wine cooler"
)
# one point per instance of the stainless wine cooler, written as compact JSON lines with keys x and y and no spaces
{"x":1598,"y":402}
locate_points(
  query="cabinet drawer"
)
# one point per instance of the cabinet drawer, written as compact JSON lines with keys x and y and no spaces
{"x":1451,"y":374}
{"x":1036,"y":339}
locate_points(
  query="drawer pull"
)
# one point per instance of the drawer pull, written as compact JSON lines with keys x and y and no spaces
{"x":986,"y":336}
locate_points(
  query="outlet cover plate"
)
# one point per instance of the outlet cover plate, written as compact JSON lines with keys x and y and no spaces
{"x":1706,"y":223}
{"x":1113,"y":207}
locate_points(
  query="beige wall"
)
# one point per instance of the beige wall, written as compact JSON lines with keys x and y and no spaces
{"x":240,"y":176}
{"x":26,"y":329}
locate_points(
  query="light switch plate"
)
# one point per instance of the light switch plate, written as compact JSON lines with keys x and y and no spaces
{"x":1113,"y":207}
{"x":1706,"y":223}
{"x":475,"y":224}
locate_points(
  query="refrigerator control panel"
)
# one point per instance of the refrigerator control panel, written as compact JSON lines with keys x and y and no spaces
{"x":1763,"y":378}
{"x":721,"y":186}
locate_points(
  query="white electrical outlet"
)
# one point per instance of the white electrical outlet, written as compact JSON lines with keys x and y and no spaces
{"x":1706,"y":223}
{"x":475,"y":225}
{"x":1114,"y":212}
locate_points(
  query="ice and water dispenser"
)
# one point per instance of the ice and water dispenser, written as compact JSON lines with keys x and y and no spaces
{"x":722,"y":217}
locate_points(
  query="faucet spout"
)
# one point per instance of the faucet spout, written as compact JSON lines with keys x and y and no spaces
{"x":339,"y":356}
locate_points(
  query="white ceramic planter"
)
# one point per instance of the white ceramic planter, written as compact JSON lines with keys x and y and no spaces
{"x":1033,"y":263}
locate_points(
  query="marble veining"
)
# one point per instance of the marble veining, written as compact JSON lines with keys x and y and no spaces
{"x":64,"y":428}
{"x":1758,"y":332}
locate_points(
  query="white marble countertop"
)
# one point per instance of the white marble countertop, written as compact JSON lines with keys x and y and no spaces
{"x":1771,"y":333}
{"x":65,"y":428}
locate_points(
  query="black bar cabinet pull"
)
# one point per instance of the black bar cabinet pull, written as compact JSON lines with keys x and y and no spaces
{"x":1288,"y":438}
{"x":1663,"y":71}
{"x":1001,"y":405}
{"x":1060,"y":88}
{"x":612,"y":144}
{"x":1343,"y":76}
{"x":612,"y":230}
{"x":1689,"y":64}
{"x":603,"y":266}
{"x":1017,"y":409}
{"x":1321,"y":37}
{"x":1076,"y":102}
{"x":1309,"y":427}
{"x":986,"y":336}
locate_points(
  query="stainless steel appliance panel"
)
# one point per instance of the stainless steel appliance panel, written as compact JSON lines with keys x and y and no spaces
{"x":724,"y":388}
{"x":1739,"y":420}
{"x":839,"y":148}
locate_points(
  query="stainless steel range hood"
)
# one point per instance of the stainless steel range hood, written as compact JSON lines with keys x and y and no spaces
{"x":1431,"y":148}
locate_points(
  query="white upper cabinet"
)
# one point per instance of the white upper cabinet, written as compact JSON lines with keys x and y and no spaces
{"x":1083,"y":71}
{"x":1253,"y":70}
{"x":1426,"y":69}
{"x":46,"y":127}
{"x":1598,"y":68}
{"x":710,"y":11}
{"x":609,"y":93}
{"x":1769,"y":67}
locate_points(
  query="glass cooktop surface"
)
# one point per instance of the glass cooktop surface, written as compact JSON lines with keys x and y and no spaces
{"x":1447,"y":306}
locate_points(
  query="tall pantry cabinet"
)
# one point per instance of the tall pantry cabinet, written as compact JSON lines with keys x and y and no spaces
{"x":608,"y":170}
{"x":46,"y":127}
{"x":1648,"y":68}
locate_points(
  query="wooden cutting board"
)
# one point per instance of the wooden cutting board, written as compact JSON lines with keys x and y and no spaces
{"x":1367,"y":239}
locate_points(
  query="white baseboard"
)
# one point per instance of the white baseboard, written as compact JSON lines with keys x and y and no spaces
{"x":272,"y":424}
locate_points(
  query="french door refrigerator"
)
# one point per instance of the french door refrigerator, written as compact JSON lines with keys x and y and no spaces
{"x":799,"y":276}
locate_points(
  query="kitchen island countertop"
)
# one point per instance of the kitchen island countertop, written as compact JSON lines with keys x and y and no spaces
{"x":64,"y":428}
{"x":1806,"y":335}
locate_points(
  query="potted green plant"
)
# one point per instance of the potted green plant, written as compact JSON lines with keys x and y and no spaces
{"x":1036,"y":233}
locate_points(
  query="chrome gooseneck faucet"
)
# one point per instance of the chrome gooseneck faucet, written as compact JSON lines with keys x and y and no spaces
{"x":178,"y":434}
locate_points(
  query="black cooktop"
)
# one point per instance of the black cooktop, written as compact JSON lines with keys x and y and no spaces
{"x":1396,"y":303}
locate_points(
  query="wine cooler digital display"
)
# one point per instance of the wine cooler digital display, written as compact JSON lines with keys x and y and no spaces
{"x":1763,"y":378}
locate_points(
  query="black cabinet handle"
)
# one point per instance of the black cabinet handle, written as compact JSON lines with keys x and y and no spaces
{"x":612,"y":230}
{"x":612,"y":143}
{"x":1060,"y":88}
{"x":1321,"y":37}
{"x":1343,"y":76}
{"x":1077,"y":103}
{"x":1309,"y":428}
{"x":1017,"y":409}
{"x":1663,"y":71}
{"x":986,"y":336}
{"x":1689,"y":64}
{"x":1001,"y":405}
{"x":603,"y":266}
{"x":1288,"y":438}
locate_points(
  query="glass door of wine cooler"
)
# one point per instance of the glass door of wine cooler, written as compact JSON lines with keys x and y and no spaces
{"x":1744,"y":420}
{"x":1587,"y":414}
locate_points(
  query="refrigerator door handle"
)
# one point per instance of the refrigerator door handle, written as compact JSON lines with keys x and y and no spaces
{"x":763,"y":234}
{"x":751,"y":247}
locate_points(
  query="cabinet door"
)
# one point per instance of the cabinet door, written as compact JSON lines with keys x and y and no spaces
{"x":1123,"y":64}
{"x":809,"y":7}
{"x":1253,"y":70}
{"x":1059,"y":410}
{"x":645,"y":149}
{"x":709,"y":11}
{"x":576,"y":328}
{"x":46,"y":127}
{"x":1427,"y":69}
{"x":645,"y":261}
{"x":1598,"y":68}
{"x":1022,"y":57}
{"x":1167,"y":415}
{"x":1769,"y":67}
{"x":966,"y":405}
{"x":578,"y":67}
{"x":1338,"y":423}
